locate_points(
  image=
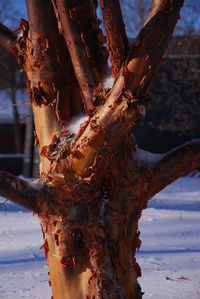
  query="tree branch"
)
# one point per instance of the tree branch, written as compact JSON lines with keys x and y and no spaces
{"x":19,"y":191}
{"x":171,"y":166}
{"x":80,"y":58}
{"x":115,"y":33}
{"x":52,"y":85}
{"x":7,"y":37}
{"x":126,"y":103}
{"x":136,"y":180}
{"x":50,"y":58}
{"x":91,"y":35}
{"x":151,"y":44}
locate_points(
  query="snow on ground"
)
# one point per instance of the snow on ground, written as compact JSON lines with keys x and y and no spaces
{"x":169,"y":256}
{"x":170,"y":252}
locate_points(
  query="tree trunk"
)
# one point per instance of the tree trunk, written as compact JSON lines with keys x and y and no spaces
{"x":94,"y":184}
{"x":90,"y":252}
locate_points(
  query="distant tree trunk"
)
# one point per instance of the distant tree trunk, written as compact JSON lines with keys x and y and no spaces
{"x":29,"y":145}
{"x":16,"y":123}
{"x":93,"y":185}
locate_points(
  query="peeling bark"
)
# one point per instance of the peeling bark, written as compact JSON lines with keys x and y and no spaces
{"x":43,"y":55}
{"x":127,"y":101}
{"x":115,"y":33}
{"x":80,"y":46}
{"x":96,"y":185}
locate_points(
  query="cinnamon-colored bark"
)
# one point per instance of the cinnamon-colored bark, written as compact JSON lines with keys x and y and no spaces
{"x":50,"y":77}
{"x":115,"y":33}
{"x":95,"y":185}
{"x":79,"y":47}
{"x":126,"y":103}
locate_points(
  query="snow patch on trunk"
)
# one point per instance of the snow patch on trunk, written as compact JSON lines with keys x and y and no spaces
{"x":108,"y":80}
{"x":76,"y":122}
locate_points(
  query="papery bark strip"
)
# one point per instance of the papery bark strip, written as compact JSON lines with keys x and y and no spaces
{"x":127,"y":101}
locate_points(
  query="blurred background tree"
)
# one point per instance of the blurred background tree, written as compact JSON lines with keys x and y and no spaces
{"x":175,"y":108}
{"x":135,"y":12}
{"x":11,"y":81}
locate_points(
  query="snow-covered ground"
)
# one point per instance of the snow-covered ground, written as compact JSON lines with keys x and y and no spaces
{"x":169,"y":256}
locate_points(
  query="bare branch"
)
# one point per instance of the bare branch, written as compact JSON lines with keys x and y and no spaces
{"x":80,"y":57}
{"x":151,"y":44}
{"x":19,"y":191}
{"x":126,"y":103}
{"x":115,"y":33}
{"x":171,"y":166}
{"x":119,"y":113}
{"x":91,"y":35}
{"x":7,"y":37}
{"x":50,"y":60}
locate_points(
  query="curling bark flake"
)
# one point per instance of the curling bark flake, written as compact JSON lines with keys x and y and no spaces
{"x":93,"y":185}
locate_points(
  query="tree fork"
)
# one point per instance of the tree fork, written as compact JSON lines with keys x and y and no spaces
{"x":96,"y":185}
{"x":127,"y":101}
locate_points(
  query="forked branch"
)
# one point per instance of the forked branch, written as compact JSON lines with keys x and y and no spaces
{"x":171,"y":166}
{"x":19,"y":191}
{"x":115,"y":33}
{"x":7,"y":37}
{"x":125,"y":103}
